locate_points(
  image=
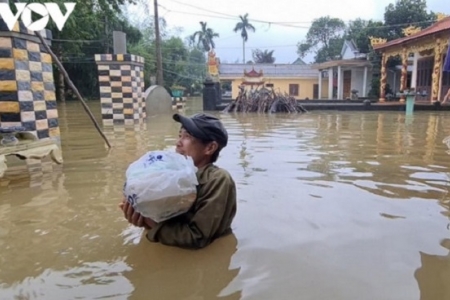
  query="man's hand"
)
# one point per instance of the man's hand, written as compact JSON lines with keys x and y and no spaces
{"x":134,"y":217}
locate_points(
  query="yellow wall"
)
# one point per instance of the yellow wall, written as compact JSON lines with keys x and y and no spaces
{"x":306,"y":86}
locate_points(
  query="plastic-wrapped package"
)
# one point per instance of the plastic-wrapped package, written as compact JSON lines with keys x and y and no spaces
{"x":161,"y":185}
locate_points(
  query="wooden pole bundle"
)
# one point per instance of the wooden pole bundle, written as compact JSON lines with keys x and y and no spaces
{"x":263,"y":101}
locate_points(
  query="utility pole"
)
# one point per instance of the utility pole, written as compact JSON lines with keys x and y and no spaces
{"x":159,"y":68}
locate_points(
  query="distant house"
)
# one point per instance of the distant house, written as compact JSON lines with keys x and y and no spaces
{"x":298,"y":80}
{"x":350,"y":73}
{"x":299,"y":61}
{"x":350,"y":51}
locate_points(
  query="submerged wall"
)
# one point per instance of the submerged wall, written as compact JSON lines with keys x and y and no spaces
{"x":27,"y":87}
{"x":121,"y":83}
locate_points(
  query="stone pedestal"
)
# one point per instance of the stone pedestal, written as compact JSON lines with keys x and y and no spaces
{"x":157,"y":101}
{"x":121,"y":81}
{"x":27,"y":88}
{"x":209,"y":95}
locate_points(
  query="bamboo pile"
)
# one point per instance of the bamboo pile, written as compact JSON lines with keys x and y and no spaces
{"x":263,"y":101}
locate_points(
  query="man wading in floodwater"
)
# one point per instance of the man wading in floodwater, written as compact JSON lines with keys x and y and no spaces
{"x":201,"y":137}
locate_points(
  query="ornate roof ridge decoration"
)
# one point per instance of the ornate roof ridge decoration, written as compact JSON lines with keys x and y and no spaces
{"x":377,"y":41}
{"x":410,"y":30}
{"x":253,"y":73}
{"x":440,"y":16}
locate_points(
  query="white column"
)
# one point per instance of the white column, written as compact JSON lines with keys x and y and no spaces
{"x":364,"y":82}
{"x":319,"y":94}
{"x":340,"y":94}
{"x":414,"y":71}
{"x":330,"y":83}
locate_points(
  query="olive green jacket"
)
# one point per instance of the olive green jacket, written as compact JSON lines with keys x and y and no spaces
{"x":210,"y":216}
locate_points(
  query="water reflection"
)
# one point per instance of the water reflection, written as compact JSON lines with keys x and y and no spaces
{"x":332,"y":205}
{"x":446,"y":141}
{"x":86,"y":281}
{"x":181,"y":274}
{"x":434,"y":274}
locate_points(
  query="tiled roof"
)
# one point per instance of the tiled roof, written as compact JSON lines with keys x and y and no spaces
{"x":439,"y":26}
{"x":299,"y":61}
{"x":269,"y":70}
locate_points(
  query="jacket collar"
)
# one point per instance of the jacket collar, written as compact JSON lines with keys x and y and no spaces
{"x":203,"y":173}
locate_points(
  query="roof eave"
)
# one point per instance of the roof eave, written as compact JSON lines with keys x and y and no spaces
{"x":419,"y":35}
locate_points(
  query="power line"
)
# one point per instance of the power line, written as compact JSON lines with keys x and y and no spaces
{"x":227,"y":15}
{"x":305,"y":27}
{"x":231,"y":18}
{"x":271,"y":22}
{"x":285,"y":24}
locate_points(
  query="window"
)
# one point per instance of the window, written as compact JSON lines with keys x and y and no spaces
{"x":293,"y":89}
{"x":269,"y":85}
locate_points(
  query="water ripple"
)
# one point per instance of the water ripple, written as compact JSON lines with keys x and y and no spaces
{"x":334,"y":205}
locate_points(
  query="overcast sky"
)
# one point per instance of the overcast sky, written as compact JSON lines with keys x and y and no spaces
{"x":295,"y":16}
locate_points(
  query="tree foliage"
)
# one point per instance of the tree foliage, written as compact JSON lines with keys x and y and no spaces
{"x":360,"y":30}
{"x":324,"y":37}
{"x":405,"y":13}
{"x":263,"y":57}
{"x":244,"y":26}
{"x":204,"y":38}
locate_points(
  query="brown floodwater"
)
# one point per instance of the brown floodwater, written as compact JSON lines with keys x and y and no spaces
{"x":331,"y":205}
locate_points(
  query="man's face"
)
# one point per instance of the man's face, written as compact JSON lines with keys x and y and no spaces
{"x":190,"y":146}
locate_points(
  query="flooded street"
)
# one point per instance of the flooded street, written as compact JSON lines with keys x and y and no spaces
{"x":331,"y":205}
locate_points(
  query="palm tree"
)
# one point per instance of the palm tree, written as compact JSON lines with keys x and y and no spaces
{"x":204,"y":38}
{"x":243,"y":26}
{"x":263,"y":57}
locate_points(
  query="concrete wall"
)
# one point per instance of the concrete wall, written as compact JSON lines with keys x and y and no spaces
{"x":27,"y":87}
{"x":121,"y":81}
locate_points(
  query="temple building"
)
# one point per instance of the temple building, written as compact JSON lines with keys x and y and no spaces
{"x":428,"y":49}
{"x":297,"y":80}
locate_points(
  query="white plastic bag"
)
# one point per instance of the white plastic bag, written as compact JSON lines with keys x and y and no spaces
{"x":161,"y":184}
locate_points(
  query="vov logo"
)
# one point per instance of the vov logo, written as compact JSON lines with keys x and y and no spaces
{"x":46,"y":10}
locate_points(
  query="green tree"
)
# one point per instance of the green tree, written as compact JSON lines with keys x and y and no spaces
{"x":325,"y":37}
{"x":263,"y":57}
{"x":204,"y":38}
{"x":194,"y":71}
{"x":244,"y":26}
{"x":85,"y":34}
{"x":145,"y":48}
{"x":360,"y":30}
{"x":174,"y":60}
{"x":405,"y":13}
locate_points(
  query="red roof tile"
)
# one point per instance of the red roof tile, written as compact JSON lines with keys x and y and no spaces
{"x":439,"y":26}
{"x":253,"y":73}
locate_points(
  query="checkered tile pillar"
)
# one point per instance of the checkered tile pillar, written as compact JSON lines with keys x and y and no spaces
{"x":27,"y":88}
{"x":121,"y":81}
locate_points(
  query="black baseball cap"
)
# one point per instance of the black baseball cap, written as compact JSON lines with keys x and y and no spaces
{"x":204,"y":127}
